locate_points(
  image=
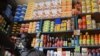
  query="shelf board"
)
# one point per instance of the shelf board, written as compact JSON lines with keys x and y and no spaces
{"x":32,"y":33}
{"x":70,"y":31}
{"x":90,"y":30}
{"x":57,"y":32}
{"x":90,"y":46}
{"x":57,"y":47}
{"x":89,"y":13}
{"x":26,"y":21}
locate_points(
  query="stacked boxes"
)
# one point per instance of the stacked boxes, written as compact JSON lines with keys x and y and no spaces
{"x":95,"y":7}
{"x":46,"y":26}
{"x":3,"y":25}
{"x":99,"y":4}
{"x":16,"y":28}
{"x":89,"y":22}
{"x":20,"y":12}
{"x":88,"y":6}
{"x":52,"y":26}
{"x":66,"y":7}
{"x":83,"y":6}
{"x":31,"y":27}
{"x":47,"y":9}
{"x":53,"y":9}
{"x":86,"y":23}
{"x":29,"y":11}
{"x":63,"y":25}
{"x":58,"y":25}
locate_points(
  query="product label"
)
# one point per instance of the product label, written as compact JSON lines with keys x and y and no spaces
{"x":76,"y":32}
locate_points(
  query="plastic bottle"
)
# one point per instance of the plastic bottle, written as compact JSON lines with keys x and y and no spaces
{"x":84,"y":40}
{"x":88,"y":38}
{"x":92,"y":40}
{"x":72,"y":41}
{"x":93,"y":52}
{"x":96,"y":39}
{"x":81,"y":40}
{"x":99,"y":39}
{"x":76,"y":40}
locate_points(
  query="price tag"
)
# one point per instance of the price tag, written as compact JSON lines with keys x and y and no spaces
{"x":59,"y":49}
{"x":77,"y":48}
{"x":76,"y":32}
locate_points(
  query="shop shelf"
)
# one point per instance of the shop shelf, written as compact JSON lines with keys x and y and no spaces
{"x":57,"y":32}
{"x":96,"y":46}
{"x":90,"y":30}
{"x":26,"y":21}
{"x":32,"y":33}
{"x":89,"y":13}
{"x":57,"y":47}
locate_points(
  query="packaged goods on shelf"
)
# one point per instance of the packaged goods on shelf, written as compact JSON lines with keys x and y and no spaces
{"x":89,"y":40}
{"x":58,"y":53}
{"x":90,"y":52}
{"x":35,"y":43}
{"x":31,"y":27}
{"x":87,"y":23}
{"x":29,"y":11}
{"x":58,"y":25}
{"x":98,"y":25}
{"x":86,"y":6}
{"x":16,"y":28}
{"x":77,"y":8}
{"x":52,"y":9}
{"x":20,"y":12}
{"x":83,"y":40}
{"x":99,"y":4}
{"x":4,"y":27}
{"x":95,"y":7}
{"x":85,"y":52}
{"x":50,"y":41}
